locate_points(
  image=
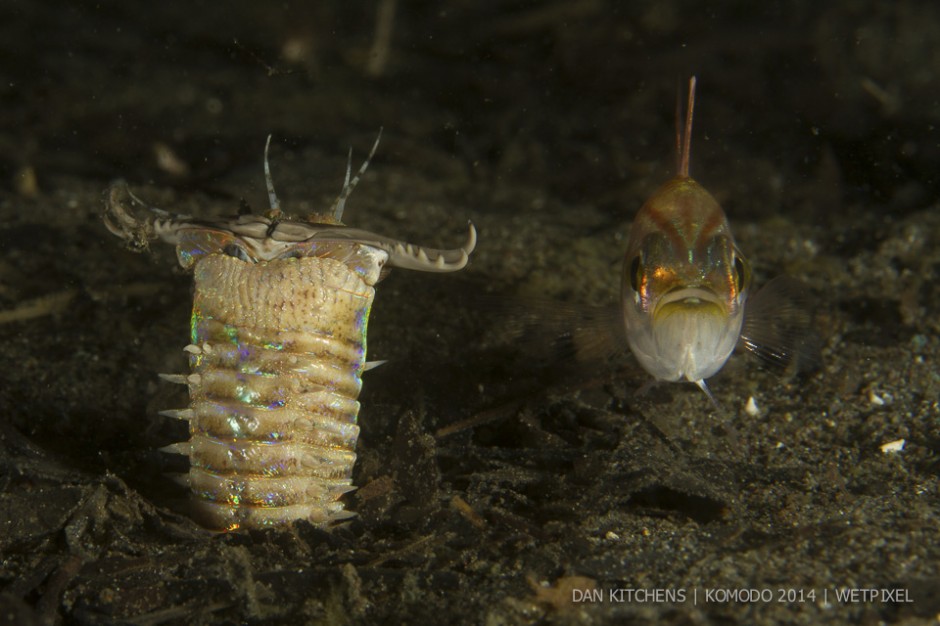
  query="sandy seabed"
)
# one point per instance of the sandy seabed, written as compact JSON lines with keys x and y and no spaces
{"x":497,"y":485}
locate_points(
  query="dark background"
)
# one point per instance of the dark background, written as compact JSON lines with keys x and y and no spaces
{"x":493,"y":479}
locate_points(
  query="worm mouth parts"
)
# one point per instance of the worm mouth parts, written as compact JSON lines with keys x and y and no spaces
{"x":128,"y":217}
{"x":137,"y":223}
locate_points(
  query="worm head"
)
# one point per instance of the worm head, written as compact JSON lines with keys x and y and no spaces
{"x":262,"y":238}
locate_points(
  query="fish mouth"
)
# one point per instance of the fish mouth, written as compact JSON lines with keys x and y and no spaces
{"x":692,"y":333}
{"x":696,"y":300}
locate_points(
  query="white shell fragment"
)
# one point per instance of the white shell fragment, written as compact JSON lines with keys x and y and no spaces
{"x":277,"y":347}
{"x":893,"y":447}
{"x":751,"y":407}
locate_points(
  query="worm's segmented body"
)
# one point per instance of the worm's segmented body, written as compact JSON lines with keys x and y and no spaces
{"x":278,"y":344}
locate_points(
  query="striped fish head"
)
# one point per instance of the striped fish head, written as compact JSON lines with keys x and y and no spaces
{"x":684,"y":284}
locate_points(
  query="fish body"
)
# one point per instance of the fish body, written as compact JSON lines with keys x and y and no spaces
{"x":686,"y":298}
{"x":684,"y":285}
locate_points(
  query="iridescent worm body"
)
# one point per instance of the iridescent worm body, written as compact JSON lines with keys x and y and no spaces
{"x":278,"y":344}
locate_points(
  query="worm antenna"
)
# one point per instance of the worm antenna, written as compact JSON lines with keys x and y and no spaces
{"x":272,"y":197}
{"x":349,"y":185}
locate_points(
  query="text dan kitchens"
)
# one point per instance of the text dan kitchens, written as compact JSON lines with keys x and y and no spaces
{"x":628,"y":595}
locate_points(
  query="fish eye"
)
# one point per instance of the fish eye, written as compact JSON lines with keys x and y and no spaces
{"x":740,"y":273}
{"x":635,"y":273}
{"x":236,"y":251}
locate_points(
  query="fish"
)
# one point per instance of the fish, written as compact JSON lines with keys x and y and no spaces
{"x":687,"y":299}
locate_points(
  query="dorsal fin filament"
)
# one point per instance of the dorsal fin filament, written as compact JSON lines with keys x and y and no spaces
{"x":684,"y":138}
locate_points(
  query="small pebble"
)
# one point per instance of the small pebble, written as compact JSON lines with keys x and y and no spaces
{"x":751,"y":407}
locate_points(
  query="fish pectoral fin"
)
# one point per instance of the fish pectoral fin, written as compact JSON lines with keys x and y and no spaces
{"x":552,"y":332}
{"x":779,"y":327}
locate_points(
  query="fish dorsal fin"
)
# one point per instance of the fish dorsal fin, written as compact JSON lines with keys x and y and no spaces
{"x":684,"y":134}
